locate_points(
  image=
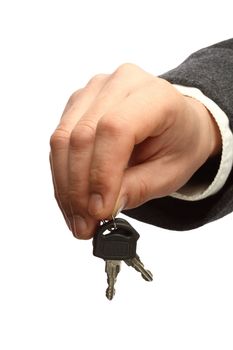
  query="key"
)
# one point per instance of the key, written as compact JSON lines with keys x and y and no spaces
{"x":114,"y":241}
{"x":112,"y":268}
{"x":139,"y":266}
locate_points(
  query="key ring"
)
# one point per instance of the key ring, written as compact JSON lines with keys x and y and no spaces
{"x":114,"y":224}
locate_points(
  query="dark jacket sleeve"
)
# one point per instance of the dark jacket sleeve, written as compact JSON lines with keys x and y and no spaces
{"x":210,"y":70}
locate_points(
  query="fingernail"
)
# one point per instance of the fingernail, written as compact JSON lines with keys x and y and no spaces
{"x":120,"y":205}
{"x":79,"y":225}
{"x":95,"y":205}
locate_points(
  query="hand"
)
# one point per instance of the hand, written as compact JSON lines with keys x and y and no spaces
{"x":124,"y":139}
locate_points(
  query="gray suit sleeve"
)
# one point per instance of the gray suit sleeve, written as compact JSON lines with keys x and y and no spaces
{"x":210,"y":70}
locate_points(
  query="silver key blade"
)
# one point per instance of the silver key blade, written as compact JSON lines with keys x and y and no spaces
{"x":112,"y":268}
{"x":138,"y":266}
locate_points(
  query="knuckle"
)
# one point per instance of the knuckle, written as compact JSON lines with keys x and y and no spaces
{"x":61,"y":197}
{"x":98,"y":78}
{"x":124,"y":68}
{"x":74,"y":96}
{"x":59,"y":139}
{"x":73,"y":199}
{"x":83,"y":135}
{"x":62,"y":200}
{"x":99,"y":179}
{"x":77,"y":201}
{"x":58,"y":198}
{"x":114,"y":126}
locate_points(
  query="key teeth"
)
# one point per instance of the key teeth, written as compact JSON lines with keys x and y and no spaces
{"x":150,"y":276}
{"x":110,"y":292}
{"x":112,"y":268}
{"x":137,"y":264}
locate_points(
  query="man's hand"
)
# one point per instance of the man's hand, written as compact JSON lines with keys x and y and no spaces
{"x":124,"y":139}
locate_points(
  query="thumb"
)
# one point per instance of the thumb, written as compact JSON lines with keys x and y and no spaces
{"x":145,"y":182}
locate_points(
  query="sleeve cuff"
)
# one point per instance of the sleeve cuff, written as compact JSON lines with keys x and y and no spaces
{"x":203,"y":190}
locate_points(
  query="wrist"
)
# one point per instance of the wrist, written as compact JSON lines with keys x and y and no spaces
{"x":210,"y":128}
{"x":216,"y":139}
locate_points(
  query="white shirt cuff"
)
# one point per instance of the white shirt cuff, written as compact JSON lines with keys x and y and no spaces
{"x":203,"y":190}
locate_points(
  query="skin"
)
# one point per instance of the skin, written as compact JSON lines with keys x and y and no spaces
{"x":123,"y":139}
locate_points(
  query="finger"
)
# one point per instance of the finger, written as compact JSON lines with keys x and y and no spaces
{"x":56,"y":192}
{"x":113,"y":92}
{"x":76,"y":106}
{"x":59,"y":143}
{"x":141,"y":115}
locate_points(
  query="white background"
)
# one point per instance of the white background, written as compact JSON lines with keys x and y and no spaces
{"x":51,"y":287}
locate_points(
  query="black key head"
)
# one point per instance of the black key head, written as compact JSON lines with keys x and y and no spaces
{"x":115,"y":240}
